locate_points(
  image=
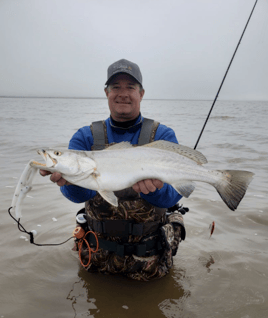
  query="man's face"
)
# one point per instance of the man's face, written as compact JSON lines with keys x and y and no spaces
{"x":124,"y":97}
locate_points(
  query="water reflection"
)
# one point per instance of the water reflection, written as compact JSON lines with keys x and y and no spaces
{"x":100,"y":295}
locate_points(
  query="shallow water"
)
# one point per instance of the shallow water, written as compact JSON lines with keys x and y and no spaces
{"x":222,"y":276}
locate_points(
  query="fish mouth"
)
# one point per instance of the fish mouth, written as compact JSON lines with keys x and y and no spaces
{"x":49,"y":161}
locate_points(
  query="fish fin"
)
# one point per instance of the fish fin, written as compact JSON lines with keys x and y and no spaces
{"x":233,"y":186}
{"x":185,"y":151}
{"x":185,"y":188}
{"x":109,"y":197}
{"x":120,"y":145}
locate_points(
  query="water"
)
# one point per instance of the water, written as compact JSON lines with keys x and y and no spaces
{"x":222,"y":276}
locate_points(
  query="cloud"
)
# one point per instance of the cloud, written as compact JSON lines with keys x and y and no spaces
{"x":63,"y":47}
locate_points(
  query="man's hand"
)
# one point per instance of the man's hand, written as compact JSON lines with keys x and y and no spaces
{"x":55,"y":177}
{"x":147,"y":186}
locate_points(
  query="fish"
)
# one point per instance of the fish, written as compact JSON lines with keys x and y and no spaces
{"x":122,"y":165}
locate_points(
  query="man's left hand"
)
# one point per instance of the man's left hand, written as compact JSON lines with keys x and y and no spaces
{"x":148,"y":185}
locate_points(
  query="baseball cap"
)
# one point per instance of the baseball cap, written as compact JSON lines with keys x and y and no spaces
{"x":124,"y":66}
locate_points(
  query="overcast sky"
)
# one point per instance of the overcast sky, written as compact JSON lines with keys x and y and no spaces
{"x":183,"y":47}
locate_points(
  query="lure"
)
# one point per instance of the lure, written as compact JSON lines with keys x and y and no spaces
{"x":23,"y":187}
{"x":212,"y":228}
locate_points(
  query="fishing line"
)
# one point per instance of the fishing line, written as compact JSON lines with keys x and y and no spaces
{"x":31,"y":234}
{"x":225,"y":76}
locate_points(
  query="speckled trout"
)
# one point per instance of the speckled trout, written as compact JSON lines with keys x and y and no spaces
{"x":122,"y":165}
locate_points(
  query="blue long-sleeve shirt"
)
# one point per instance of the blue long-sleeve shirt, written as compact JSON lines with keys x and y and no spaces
{"x":83,"y":140}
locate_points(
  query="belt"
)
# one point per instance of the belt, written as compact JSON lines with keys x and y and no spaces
{"x":123,"y":228}
{"x":148,"y":248}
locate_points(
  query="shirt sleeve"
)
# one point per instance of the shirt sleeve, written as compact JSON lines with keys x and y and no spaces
{"x":167,"y":196}
{"x":81,"y":140}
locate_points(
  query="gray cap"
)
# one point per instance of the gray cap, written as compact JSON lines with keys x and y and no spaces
{"x":124,"y":66}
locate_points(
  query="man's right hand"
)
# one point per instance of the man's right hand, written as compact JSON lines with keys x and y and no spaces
{"x":55,"y":177}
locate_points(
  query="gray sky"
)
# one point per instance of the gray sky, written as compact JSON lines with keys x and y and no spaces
{"x":183,"y":47}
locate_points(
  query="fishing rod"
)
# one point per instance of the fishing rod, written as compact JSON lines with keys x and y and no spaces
{"x":225,"y":76}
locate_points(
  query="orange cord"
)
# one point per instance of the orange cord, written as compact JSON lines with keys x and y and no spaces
{"x":80,"y":234}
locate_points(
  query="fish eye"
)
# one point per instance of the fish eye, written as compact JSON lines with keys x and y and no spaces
{"x":57,"y":153}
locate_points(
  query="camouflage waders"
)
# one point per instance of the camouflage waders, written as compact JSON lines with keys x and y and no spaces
{"x":141,"y":257}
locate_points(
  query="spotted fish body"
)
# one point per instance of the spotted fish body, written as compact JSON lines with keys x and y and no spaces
{"x":122,"y":165}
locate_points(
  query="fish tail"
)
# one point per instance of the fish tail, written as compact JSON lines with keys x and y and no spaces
{"x":233,"y":186}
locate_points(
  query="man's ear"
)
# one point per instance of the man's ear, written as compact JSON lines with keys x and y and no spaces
{"x":142,"y":93}
{"x":106,"y":91}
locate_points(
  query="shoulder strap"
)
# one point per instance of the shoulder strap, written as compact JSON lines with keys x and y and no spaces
{"x":148,"y":131}
{"x":98,"y":130}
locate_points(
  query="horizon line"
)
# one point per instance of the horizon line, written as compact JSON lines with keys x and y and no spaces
{"x":182,"y":99}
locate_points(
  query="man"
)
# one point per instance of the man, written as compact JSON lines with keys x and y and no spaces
{"x":138,"y":238}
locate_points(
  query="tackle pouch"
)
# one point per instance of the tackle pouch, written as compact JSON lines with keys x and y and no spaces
{"x":177,"y":221}
{"x":167,"y":236}
{"x":173,"y":232}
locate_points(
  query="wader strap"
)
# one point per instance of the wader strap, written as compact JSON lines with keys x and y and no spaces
{"x":123,"y":228}
{"x":99,"y":135}
{"x":147,"y":129}
{"x":146,"y":248}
